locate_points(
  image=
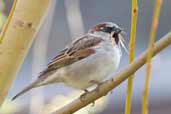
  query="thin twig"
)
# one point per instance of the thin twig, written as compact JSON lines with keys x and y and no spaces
{"x":107,"y":86}
{"x":131,"y":55}
{"x":150,"y":47}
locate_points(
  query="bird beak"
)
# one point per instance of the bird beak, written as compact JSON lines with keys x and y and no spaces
{"x":117,"y":30}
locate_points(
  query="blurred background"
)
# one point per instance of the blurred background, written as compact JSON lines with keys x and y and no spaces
{"x":68,"y":19}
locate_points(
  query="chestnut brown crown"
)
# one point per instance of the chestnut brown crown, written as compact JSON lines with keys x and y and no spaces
{"x":107,"y":27}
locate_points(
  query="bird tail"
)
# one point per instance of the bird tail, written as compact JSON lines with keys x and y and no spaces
{"x":41,"y":81}
{"x":26,"y":89}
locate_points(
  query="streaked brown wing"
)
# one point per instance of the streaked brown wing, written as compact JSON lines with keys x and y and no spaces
{"x":79,"y":49}
{"x":85,"y":41}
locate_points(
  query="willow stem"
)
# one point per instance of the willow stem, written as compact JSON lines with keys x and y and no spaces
{"x":149,"y":56}
{"x":131,"y":55}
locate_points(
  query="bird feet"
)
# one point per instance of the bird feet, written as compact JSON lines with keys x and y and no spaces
{"x":97,"y":83}
{"x":82,"y":97}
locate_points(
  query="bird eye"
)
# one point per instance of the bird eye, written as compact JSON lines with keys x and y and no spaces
{"x":108,"y":29}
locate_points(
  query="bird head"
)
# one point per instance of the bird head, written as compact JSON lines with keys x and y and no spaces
{"x":112,"y":30}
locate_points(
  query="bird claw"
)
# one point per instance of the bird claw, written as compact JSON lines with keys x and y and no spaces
{"x":86,"y":91}
{"x":82,"y":97}
{"x":97,"y":83}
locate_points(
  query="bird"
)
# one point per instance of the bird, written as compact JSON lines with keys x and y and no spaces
{"x":86,"y":61}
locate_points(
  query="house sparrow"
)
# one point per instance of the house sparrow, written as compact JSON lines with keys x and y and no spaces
{"x":86,"y":61}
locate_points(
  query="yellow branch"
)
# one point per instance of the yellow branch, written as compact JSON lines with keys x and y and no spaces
{"x":107,"y":86}
{"x":8,"y":21}
{"x":149,"y":56}
{"x":131,"y":55}
{"x":18,"y":35}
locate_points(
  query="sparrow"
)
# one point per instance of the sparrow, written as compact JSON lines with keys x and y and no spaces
{"x":86,"y":61}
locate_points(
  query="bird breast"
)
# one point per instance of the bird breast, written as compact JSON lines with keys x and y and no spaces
{"x":96,"y":67}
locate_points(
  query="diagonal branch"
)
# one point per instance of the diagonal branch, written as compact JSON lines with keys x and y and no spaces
{"x":117,"y":79}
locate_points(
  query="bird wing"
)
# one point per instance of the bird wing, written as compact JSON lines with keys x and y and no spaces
{"x":77,"y":50}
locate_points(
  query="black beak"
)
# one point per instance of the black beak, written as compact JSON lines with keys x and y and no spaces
{"x":117,"y":30}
